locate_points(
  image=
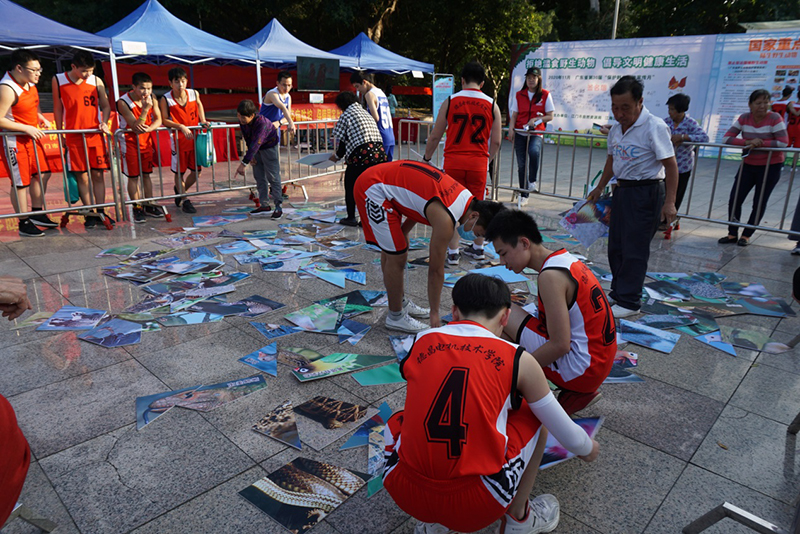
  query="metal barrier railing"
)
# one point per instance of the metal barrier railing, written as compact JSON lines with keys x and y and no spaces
{"x":573,"y":159}
{"x":43,"y":175}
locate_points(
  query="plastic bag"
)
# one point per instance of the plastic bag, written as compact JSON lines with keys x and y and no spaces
{"x":71,"y":194}
{"x":204,"y":147}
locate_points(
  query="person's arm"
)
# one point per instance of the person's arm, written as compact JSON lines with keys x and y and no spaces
{"x":201,"y":111}
{"x":58,"y":110}
{"x":442,"y":229}
{"x":554,"y":289}
{"x":608,"y":173}
{"x":438,"y":131}
{"x":372,"y":106}
{"x":7,"y":99}
{"x":511,"y":122}
{"x":258,"y":134}
{"x":105,"y":106}
{"x":668,"y":212}
{"x":497,"y":132}
{"x":13,"y":297}
{"x":780,"y":136}
{"x":696,"y":134}
{"x":127,"y":114}
{"x":156,"y":117}
{"x":731,"y":137}
{"x":532,"y":384}
{"x":273,"y":99}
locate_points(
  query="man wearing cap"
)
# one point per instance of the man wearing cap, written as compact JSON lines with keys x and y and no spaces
{"x":531,"y":109}
{"x":641,"y":156}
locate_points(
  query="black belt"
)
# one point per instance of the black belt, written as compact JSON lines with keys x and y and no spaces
{"x":637,"y":183}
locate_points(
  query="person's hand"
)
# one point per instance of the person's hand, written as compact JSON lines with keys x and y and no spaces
{"x":34,"y":132}
{"x":147,"y":103}
{"x":333,"y":158}
{"x":139,"y":127}
{"x":13,"y":297}
{"x":677,"y":139}
{"x":592,"y":456}
{"x":594,"y":194}
{"x":436,"y":321}
{"x":291,"y":127}
{"x":755,"y":143}
{"x":104,"y":128}
{"x":668,"y":212}
{"x":605,"y":128}
{"x":510,"y":136}
{"x":187,"y":133}
{"x":240,"y":169}
{"x":44,"y":124}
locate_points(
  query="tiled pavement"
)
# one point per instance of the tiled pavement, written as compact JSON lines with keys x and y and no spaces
{"x":703,"y":428}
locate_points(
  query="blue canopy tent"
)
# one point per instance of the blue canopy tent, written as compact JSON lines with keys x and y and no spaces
{"x":26,"y":28}
{"x":370,"y":56}
{"x":152,"y":31}
{"x":275,"y":47}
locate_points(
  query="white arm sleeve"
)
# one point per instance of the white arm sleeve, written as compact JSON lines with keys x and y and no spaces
{"x":571,"y":436}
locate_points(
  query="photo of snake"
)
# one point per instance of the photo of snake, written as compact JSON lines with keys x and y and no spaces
{"x":280,"y":424}
{"x":331,"y":413}
{"x":303,"y":492}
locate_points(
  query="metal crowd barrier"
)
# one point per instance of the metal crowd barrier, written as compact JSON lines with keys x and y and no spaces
{"x":44,"y":177}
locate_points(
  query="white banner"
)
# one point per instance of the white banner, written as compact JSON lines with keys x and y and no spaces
{"x":579,"y":74}
{"x":746,"y":62}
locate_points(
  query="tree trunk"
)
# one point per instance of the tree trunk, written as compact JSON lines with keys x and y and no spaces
{"x":376,"y":31}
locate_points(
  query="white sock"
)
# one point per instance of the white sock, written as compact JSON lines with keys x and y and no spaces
{"x":451,"y":251}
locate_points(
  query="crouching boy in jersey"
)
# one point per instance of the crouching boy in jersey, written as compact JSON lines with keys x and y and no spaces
{"x":573,"y":338}
{"x":466,"y":449}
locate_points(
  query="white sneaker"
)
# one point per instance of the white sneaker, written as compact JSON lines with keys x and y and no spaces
{"x":431,"y":528}
{"x":405,"y":324}
{"x":416,"y":311}
{"x":533,"y":187}
{"x":620,"y":312}
{"x":796,"y":250}
{"x":543,"y":515}
{"x":522,"y":201}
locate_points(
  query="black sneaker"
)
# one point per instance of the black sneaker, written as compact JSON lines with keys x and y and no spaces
{"x":153,"y":211}
{"x":277,"y":214}
{"x":187,"y":206}
{"x":348,"y":222}
{"x":89,"y":221}
{"x":28,"y":229}
{"x":177,"y":199}
{"x":43,"y":220}
{"x":138,"y":215}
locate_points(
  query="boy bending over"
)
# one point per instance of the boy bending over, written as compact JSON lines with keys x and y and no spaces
{"x":471,"y":431}
{"x":573,"y":338}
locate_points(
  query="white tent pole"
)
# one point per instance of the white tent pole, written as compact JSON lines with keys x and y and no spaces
{"x":114,"y":79}
{"x":258,"y":75}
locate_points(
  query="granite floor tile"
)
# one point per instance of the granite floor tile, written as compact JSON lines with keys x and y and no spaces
{"x":714,"y":374}
{"x":604,"y":498}
{"x":665,"y":417}
{"x":753,"y":451}
{"x":121,"y":480}
{"x":787,"y":361}
{"x":38,"y":495}
{"x":698,"y":491}
{"x":769,"y":392}
{"x":60,"y":415}
{"x":52,"y":358}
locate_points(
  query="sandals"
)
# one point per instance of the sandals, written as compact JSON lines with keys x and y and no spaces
{"x":727,"y":240}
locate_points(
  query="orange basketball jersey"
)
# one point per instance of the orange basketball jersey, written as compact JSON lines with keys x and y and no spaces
{"x":408,"y":187}
{"x":136,"y":110}
{"x":188,"y":114}
{"x":80,"y":103}
{"x":461,"y":387}
{"x":26,"y":109}
{"x":469,"y":125}
{"x":593,"y":336}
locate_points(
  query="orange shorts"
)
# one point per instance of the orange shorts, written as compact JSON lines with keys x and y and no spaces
{"x":130,"y":159}
{"x":76,"y":153}
{"x":465,"y":504}
{"x":473,"y":180}
{"x":23,"y":162}
{"x":183,"y":158}
{"x":381,"y":223}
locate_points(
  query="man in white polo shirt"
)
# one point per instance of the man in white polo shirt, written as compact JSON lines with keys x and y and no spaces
{"x":641,"y":156}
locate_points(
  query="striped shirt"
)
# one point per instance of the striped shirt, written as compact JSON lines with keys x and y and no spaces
{"x":771,"y":129}
{"x":685,"y":153}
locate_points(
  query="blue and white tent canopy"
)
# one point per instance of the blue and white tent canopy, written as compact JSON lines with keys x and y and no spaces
{"x":372,"y":57}
{"x":277,"y":48}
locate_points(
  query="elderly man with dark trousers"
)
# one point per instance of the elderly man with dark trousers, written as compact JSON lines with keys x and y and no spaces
{"x":641,"y":156}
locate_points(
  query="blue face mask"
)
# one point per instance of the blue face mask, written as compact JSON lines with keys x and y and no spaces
{"x":468,"y":235}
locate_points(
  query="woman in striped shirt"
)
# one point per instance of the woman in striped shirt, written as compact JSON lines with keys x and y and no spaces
{"x":760,"y":169}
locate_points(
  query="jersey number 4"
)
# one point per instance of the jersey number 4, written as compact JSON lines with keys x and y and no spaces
{"x":599,"y":304}
{"x":478,"y":126}
{"x":445,"y":420}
